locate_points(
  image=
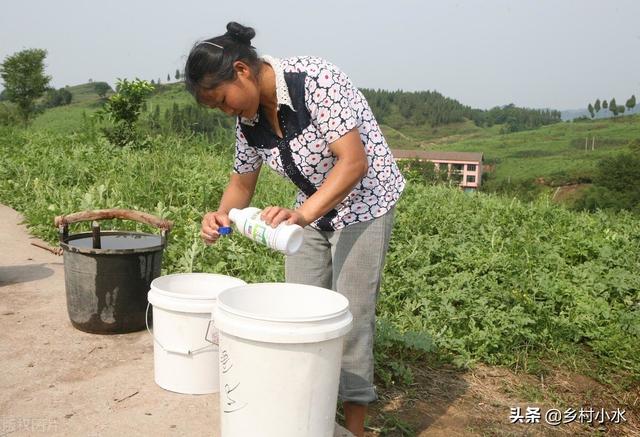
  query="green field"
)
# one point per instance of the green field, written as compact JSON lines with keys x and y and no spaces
{"x":480,"y":285}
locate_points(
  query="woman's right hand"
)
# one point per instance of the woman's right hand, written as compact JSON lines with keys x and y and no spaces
{"x":210,"y":224}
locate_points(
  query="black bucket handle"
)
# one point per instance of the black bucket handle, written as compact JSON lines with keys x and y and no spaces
{"x":62,"y":221}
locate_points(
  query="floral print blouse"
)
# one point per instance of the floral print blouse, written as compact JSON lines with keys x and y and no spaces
{"x":317,"y":104}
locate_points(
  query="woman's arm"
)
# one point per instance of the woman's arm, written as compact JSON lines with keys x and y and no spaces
{"x":239,"y":191}
{"x":351,"y":167}
{"x":238,"y":194}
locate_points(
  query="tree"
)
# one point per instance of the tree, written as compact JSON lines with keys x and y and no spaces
{"x":65,"y":96}
{"x":596,"y":106}
{"x":631,"y":103}
{"x":615,"y":184}
{"x":613,"y":106}
{"x":168,"y":78}
{"x":177,"y":76}
{"x":590,"y":109}
{"x":101,"y":88}
{"x":24,"y":80}
{"x":605,"y":105}
{"x":55,"y":98}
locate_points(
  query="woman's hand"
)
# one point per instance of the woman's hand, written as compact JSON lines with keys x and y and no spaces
{"x":274,"y":215}
{"x":210,"y":224}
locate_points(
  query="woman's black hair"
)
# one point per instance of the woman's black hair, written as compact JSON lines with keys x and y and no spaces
{"x":210,"y":62}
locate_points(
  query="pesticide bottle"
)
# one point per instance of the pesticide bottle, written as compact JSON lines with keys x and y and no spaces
{"x":284,"y":237}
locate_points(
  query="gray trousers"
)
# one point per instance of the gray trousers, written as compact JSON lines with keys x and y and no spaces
{"x":349,"y":261}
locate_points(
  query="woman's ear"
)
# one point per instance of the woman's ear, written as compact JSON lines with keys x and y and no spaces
{"x":242,"y":69}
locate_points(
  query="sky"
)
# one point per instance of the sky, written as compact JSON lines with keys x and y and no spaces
{"x":559,"y":54}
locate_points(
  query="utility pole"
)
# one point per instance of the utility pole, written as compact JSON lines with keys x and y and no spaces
{"x":593,"y":144}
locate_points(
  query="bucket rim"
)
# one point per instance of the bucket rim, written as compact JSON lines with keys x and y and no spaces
{"x":154,"y":288}
{"x":222,"y":306}
{"x":92,"y":251}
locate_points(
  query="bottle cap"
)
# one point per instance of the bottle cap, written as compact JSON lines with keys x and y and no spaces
{"x":224,"y":230}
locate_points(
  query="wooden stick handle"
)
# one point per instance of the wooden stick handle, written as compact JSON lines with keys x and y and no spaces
{"x":107,"y":214}
{"x":53,"y":250}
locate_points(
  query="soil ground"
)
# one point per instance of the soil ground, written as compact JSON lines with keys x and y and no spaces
{"x":56,"y":380}
{"x":446,"y":402}
{"x":568,"y":193}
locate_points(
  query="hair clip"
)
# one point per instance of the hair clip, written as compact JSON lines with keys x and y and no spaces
{"x":212,"y":44}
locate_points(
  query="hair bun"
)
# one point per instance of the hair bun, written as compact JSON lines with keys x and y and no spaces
{"x":240,"y":33}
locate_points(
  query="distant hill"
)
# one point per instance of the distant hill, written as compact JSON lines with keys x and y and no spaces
{"x":85,"y":92}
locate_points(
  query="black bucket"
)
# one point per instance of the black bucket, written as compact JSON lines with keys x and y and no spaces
{"x":107,"y":274}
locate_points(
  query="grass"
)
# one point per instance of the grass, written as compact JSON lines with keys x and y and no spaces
{"x":426,"y":136}
{"x":69,"y":118}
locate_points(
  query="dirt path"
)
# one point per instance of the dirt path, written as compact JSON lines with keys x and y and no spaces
{"x":56,"y":380}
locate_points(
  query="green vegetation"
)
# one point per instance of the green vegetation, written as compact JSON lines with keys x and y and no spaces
{"x":189,"y":119}
{"x":87,"y":93}
{"x":122,"y":110}
{"x":549,"y":156}
{"x":101,"y":88}
{"x":469,"y":278}
{"x":399,"y":109}
{"x":24,"y":80}
{"x":522,"y":164}
{"x":55,"y":97}
{"x":612,"y":106}
{"x":616,"y":185}
{"x":9,"y":115}
{"x":68,"y":119}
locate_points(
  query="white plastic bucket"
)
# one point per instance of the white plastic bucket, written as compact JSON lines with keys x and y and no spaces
{"x":183,"y":360}
{"x":280,"y":354}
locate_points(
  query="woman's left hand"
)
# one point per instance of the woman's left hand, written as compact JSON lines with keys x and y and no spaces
{"x":274,"y":215}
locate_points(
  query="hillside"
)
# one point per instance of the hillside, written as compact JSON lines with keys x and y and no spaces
{"x":69,"y":118}
{"x":85,"y":93}
{"x":554,"y":152}
{"x":550,"y":155}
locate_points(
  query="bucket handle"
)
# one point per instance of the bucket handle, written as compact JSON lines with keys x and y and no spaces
{"x":175,"y":351}
{"x":63,"y":221}
{"x":215,"y":339}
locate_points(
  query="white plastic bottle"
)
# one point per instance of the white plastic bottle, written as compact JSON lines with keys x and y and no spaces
{"x":285,"y":237}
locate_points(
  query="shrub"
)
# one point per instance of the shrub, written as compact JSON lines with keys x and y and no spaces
{"x":123,"y":110}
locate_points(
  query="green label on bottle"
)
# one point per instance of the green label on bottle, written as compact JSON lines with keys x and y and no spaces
{"x":256,"y":229}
